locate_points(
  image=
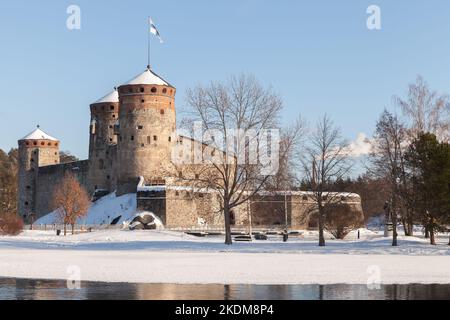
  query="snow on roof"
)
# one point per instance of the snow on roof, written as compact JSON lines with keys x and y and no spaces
{"x":110,"y":97}
{"x":148,"y":77}
{"x":38,"y":134}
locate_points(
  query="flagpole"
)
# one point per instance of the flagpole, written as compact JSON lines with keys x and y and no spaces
{"x":149,"y":35}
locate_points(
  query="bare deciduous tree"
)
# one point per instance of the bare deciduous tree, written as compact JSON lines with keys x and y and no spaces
{"x":71,"y":200}
{"x":388,"y":162}
{"x":324,"y":160}
{"x":426,"y":111}
{"x":241,"y":105}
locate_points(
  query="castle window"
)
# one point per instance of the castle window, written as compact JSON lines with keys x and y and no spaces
{"x":305,"y":198}
{"x":103,"y":108}
{"x":177,"y":193}
{"x":114,"y":116}
{"x":110,"y":139}
{"x":32,"y":160}
{"x":27,"y":143}
{"x":49,"y":144}
{"x":35,"y":143}
{"x":142,"y":145}
{"x":110,"y":127}
{"x":197,"y":177}
{"x":154,"y":90}
{"x":111,"y":107}
{"x":180,"y":174}
{"x":140,"y":127}
{"x":26,"y":203}
{"x":56,"y":144}
{"x":34,"y":152}
{"x":142,"y":101}
{"x":28,"y":187}
{"x":155,"y":138}
{"x":56,"y":153}
{"x":161,"y":111}
{"x":164,"y":90}
{"x":108,"y":177}
{"x":42,"y":143}
{"x":149,"y":139}
{"x":170,"y":139}
{"x":132,"y":138}
{"x":142,"y":90}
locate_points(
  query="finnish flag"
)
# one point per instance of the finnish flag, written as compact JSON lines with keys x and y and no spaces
{"x":154,"y":30}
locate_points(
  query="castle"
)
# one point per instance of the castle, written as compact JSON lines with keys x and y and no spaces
{"x":131,"y":136}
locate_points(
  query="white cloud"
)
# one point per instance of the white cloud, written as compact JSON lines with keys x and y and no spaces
{"x":360,"y":147}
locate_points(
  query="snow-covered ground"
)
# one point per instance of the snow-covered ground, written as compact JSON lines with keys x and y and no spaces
{"x":170,"y":257}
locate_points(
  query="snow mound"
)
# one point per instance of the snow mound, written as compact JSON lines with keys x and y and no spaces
{"x":102,"y":212}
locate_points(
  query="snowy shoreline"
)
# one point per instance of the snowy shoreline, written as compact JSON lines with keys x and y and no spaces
{"x":175,"y":258}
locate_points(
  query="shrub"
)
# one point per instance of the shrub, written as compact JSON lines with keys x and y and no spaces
{"x":342,"y":219}
{"x":10,"y":224}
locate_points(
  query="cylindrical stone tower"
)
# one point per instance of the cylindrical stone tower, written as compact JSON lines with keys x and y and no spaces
{"x":36,"y":150}
{"x":147,"y":127}
{"x":102,"y":139}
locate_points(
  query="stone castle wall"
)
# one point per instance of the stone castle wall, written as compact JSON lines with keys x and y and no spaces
{"x":49,"y":177}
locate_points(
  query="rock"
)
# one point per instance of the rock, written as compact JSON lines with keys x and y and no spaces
{"x":137,"y":226}
{"x":150,"y":226}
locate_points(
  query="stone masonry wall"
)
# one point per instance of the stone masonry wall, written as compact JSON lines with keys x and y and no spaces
{"x":48,"y":178}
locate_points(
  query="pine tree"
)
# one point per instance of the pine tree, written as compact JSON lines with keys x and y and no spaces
{"x":429,"y":162}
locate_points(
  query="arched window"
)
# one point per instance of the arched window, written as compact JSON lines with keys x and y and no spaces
{"x":154,"y":90}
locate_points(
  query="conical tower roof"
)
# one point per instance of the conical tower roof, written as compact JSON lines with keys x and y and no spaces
{"x":111,"y":97}
{"x":148,"y":77}
{"x":38,"y":134}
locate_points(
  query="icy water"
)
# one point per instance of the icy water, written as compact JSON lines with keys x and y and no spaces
{"x":51,"y":289}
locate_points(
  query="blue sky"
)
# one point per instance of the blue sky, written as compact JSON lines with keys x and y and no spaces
{"x":318,"y":55}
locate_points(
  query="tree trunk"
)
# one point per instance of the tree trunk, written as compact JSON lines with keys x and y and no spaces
{"x":427,"y":232}
{"x":410,"y":222}
{"x":321,"y":228}
{"x":226,"y":212}
{"x":432,"y":237}
{"x":65,"y":229}
{"x":394,"y":229}
{"x":405,"y":227}
{"x":73,"y":229}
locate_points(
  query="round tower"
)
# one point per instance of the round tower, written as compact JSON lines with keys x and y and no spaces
{"x":102,"y":142}
{"x":147,"y":127}
{"x":37,"y":149}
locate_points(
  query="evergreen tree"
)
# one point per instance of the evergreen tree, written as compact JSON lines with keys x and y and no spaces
{"x":429,"y":164}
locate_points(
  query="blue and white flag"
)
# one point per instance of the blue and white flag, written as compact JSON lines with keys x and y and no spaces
{"x":154,"y":30}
